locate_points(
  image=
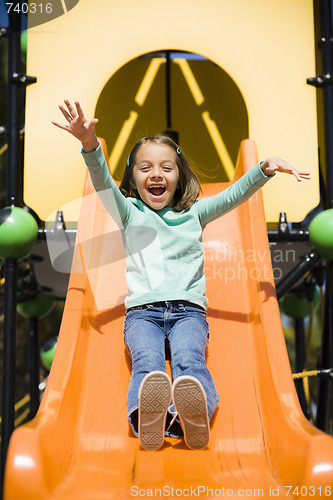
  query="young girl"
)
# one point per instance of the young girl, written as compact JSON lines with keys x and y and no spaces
{"x":166,"y":299}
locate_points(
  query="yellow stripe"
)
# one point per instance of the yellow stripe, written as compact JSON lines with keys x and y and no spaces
{"x":3,"y":149}
{"x":22,"y":402}
{"x":147,"y":80}
{"x":64,"y":6}
{"x":22,"y":417}
{"x":219,"y":145}
{"x":122,"y":139}
{"x":191,"y":81}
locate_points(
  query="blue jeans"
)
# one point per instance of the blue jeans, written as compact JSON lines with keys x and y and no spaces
{"x":183,"y":327}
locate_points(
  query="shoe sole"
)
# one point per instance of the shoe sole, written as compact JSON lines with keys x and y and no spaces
{"x":189,"y":399}
{"x":154,"y":401}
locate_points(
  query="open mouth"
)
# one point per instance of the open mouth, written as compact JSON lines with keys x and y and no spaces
{"x":157,"y":190}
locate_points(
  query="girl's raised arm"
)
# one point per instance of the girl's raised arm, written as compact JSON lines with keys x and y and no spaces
{"x":78,"y":125}
{"x":114,"y":201}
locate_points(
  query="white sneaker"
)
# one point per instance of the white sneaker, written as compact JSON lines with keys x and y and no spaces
{"x":154,"y":401}
{"x":189,"y":399}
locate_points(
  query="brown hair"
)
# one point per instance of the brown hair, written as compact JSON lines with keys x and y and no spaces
{"x":188,"y":187}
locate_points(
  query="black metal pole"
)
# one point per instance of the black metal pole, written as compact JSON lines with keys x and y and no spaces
{"x":168,"y":90}
{"x":327,"y":66}
{"x":300,"y":362}
{"x":325,"y":396}
{"x":294,"y":275}
{"x":293,"y":235}
{"x":33,"y":365}
{"x":8,"y":364}
{"x":324,"y":413}
{"x":13,"y":198}
{"x":14,"y":167}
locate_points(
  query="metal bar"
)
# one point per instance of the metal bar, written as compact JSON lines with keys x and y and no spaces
{"x":325,"y":396}
{"x":293,"y":235}
{"x":327,"y":66}
{"x":300,"y":362}
{"x":329,"y":344}
{"x":13,"y":183}
{"x":8,"y":363}
{"x":325,"y":399}
{"x":42,"y":233}
{"x":295,"y":274}
{"x":168,"y":90}
{"x":33,"y":365}
{"x":13,"y":197}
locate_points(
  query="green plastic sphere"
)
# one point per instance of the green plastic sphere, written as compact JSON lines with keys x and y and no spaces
{"x":24,"y":42}
{"x":47,"y":352}
{"x":18,"y":233}
{"x":296,"y":305}
{"x":37,"y":307}
{"x":321,"y":234}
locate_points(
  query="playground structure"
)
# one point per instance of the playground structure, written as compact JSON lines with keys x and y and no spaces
{"x":79,"y":444}
{"x":250,"y":447}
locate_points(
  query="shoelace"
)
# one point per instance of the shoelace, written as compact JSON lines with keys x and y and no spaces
{"x":173,"y":412}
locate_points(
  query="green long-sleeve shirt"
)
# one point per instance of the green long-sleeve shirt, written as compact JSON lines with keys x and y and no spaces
{"x":164,"y":249}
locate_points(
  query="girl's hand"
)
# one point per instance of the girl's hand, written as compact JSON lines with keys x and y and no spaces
{"x":78,"y":125}
{"x":274,"y":164}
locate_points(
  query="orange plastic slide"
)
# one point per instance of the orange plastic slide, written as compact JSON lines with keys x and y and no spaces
{"x":80,"y":446}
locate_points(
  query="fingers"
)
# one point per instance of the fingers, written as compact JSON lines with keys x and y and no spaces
{"x":77,"y":124}
{"x":304,"y":174}
{"x":79,"y":109}
{"x":60,"y":125}
{"x":65,"y":113}
{"x":301,"y":174}
{"x":92,"y":123}
{"x":71,"y":108}
{"x":71,"y":113}
{"x":278,"y":165}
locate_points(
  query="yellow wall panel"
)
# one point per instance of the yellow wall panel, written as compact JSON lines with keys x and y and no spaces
{"x":267,"y":48}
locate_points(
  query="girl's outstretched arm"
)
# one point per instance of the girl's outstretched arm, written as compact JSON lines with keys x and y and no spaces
{"x":78,"y":125}
{"x":240,"y":191}
{"x":274,"y":164}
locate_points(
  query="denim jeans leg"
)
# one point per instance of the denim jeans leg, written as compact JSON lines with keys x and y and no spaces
{"x":188,"y":343}
{"x":145,"y":343}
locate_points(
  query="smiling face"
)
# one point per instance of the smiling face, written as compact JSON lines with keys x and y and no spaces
{"x":156,"y":175}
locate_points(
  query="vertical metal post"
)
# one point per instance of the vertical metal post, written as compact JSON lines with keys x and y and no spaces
{"x":8,"y":364}
{"x":325,"y":396}
{"x":168,"y":90}
{"x":324,"y":414}
{"x":14,"y":197}
{"x":300,"y":362}
{"x":327,"y":67}
{"x":33,"y":365}
{"x":14,"y":167}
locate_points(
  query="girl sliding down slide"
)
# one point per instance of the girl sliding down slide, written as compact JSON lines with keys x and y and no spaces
{"x":166,"y":298}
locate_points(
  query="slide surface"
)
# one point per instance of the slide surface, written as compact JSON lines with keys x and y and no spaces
{"x":79,"y":446}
